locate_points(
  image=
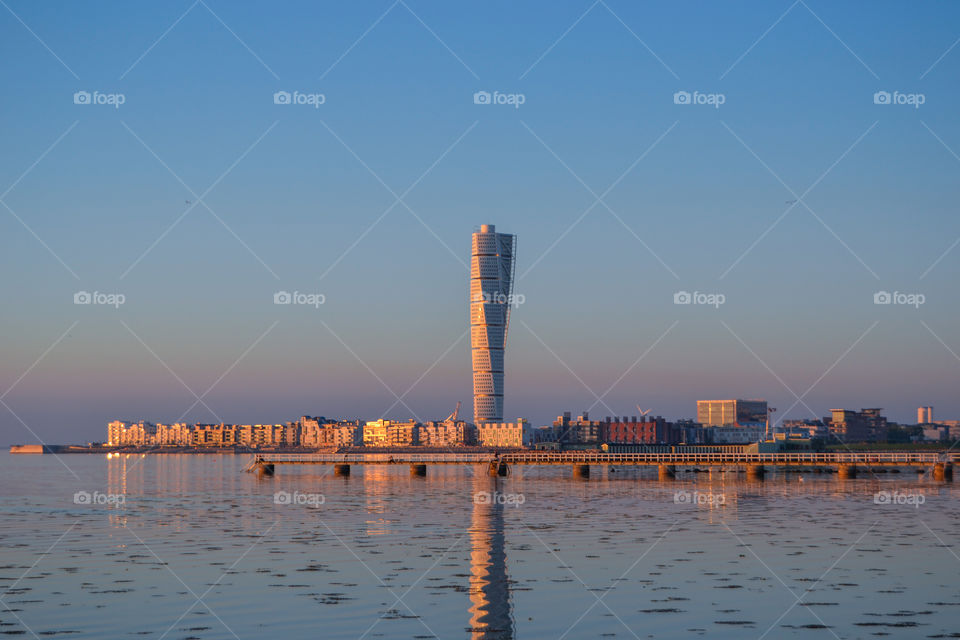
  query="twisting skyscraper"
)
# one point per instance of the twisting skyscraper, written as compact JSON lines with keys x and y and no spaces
{"x":492,"y":266}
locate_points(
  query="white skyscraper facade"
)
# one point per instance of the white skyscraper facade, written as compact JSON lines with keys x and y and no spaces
{"x":492,"y":265}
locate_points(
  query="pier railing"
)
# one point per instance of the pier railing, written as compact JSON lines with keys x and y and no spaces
{"x":598,"y":457}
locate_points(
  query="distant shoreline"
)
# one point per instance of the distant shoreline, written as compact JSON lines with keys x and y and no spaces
{"x":63,"y":448}
{"x":103,"y":449}
{"x":66,"y":448}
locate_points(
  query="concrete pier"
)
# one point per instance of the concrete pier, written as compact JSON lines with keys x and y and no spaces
{"x":847,"y":471}
{"x":942,"y":472}
{"x":497,"y":468}
{"x":418,"y":469}
{"x":666,"y":471}
{"x":846,"y":464}
{"x":341,"y":469}
{"x":755,"y":471}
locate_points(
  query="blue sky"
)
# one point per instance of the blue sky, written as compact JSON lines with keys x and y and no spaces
{"x":701,"y":201}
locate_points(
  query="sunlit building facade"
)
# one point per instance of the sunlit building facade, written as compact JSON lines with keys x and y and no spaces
{"x":448,"y":433}
{"x":492,"y":265}
{"x":504,"y":434}
{"x":179,"y":434}
{"x":122,"y":433}
{"x":390,"y":433}
{"x":731,"y":413}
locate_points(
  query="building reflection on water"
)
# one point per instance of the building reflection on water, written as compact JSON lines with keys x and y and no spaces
{"x":170,"y":489}
{"x":491,"y":614}
{"x":377,"y":485}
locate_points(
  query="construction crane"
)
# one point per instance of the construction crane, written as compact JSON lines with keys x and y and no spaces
{"x":455,"y":415}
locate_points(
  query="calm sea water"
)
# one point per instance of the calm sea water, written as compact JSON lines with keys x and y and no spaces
{"x":191,"y":547}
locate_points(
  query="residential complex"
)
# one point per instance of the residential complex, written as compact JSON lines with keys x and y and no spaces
{"x":566,"y":432}
{"x":390,"y":433}
{"x":646,"y":430}
{"x":503,"y":434}
{"x":320,"y":433}
{"x":446,"y":433}
{"x":866,"y":425}
{"x":308,"y":432}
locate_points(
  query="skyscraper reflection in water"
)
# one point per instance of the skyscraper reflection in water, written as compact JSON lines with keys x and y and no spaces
{"x":491,"y":614}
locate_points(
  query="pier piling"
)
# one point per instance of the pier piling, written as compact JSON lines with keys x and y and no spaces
{"x":581,"y":471}
{"x":847,"y":471}
{"x":497,"y":468}
{"x":942,"y":471}
{"x":666,"y":472}
{"x":755,"y":471}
